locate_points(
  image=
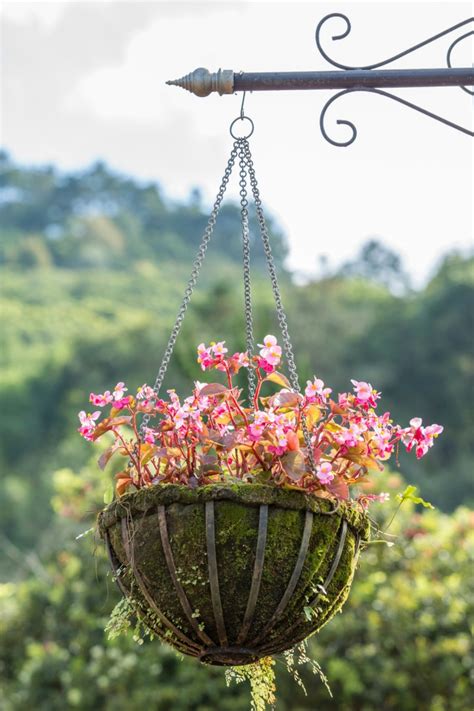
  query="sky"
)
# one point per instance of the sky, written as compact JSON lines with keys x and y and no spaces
{"x":83,"y":81}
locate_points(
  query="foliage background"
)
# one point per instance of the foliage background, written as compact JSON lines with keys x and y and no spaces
{"x":93,"y":265}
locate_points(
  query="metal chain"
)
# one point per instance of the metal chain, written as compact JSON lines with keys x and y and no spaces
{"x":241,"y":148}
{"x":246,"y":262}
{"x":282,"y":320}
{"x":192,"y":279}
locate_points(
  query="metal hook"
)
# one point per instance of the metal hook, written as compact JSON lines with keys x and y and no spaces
{"x":242,"y":117}
{"x":242,"y":106}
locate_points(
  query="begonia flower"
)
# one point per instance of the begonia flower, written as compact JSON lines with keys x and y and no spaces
{"x":324,"y":472}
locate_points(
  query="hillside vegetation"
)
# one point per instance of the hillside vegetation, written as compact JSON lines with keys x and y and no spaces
{"x":93,"y":266}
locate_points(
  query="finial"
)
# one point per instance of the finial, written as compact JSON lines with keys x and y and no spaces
{"x":202,"y":83}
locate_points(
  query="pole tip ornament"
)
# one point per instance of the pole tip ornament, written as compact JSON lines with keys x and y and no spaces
{"x":202,"y":82}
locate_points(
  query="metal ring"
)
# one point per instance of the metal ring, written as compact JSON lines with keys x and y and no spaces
{"x":241,"y":118}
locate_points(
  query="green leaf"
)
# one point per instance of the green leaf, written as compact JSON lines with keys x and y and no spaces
{"x":312,"y":414}
{"x":109,"y":494}
{"x":410,"y":495}
{"x":263,"y":477}
{"x":309,"y":613}
{"x":279,"y":379}
{"x":389,"y":544}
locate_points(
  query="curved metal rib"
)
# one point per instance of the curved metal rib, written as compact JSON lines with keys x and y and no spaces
{"x":257,"y":573}
{"x":335,"y":562}
{"x":308,"y":526}
{"x":116,"y":565}
{"x":214,"y":574}
{"x":448,"y":57}
{"x":165,"y":542}
{"x":268,"y":649}
{"x":188,"y":643}
{"x":389,"y":96}
{"x":385,"y":61}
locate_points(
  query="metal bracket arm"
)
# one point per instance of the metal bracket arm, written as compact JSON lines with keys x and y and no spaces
{"x":201,"y":82}
{"x":346,"y":79}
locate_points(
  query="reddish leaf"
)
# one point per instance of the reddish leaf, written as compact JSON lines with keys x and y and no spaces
{"x":339,"y":488}
{"x":363,"y":460}
{"x":294,"y":465}
{"x":335,"y":408}
{"x":122,"y":485}
{"x":293,"y":441}
{"x":142,"y":407}
{"x":148,"y":451}
{"x":122,"y":475}
{"x":230,"y":440}
{"x":105,"y":456}
{"x":213,"y":389}
{"x":285,"y":398}
{"x":122,"y":420}
{"x":110,"y":422}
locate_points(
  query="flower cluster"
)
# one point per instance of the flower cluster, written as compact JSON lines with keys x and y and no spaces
{"x":213,"y":436}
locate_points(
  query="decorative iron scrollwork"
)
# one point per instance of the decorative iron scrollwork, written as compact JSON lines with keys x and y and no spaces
{"x":376,"y":65}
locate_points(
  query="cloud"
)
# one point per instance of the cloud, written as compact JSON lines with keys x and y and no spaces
{"x":44,"y":15}
{"x":92,"y":86}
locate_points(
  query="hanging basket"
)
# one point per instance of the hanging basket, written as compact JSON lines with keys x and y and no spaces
{"x":232,"y":573}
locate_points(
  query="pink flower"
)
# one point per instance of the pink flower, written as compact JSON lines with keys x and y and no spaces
{"x":349,"y":437}
{"x":383,"y":446}
{"x":363,"y":390}
{"x":122,"y":403}
{"x":365,"y":394}
{"x":119,"y":391}
{"x":213,"y":356}
{"x":271,"y":355}
{"x":150,"y":435}
{"x":418,"y":437}
{"x":256,"y":427}
{"x":242,"y":359}
{"x":316,"y":390}
{"x":268,"y":342}
{"x":88,"y":420}
{"x":343,"y":400}
{"x":270,"y":352}
{"x":218,"y":349}
{"x":101,"y":400}
{"x":145,"y":392}
{"x":434,"y":430}
{"x":88,"y":423}
{"x":324,"y":472}
{"x":204,"y":356}
{"x":265,"y":365}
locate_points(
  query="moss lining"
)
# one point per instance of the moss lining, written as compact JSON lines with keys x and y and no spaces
{"x":252,"y":494}
{"x":236,"y":518}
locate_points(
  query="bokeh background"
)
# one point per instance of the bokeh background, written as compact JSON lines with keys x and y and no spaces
{"x":106,"y":180}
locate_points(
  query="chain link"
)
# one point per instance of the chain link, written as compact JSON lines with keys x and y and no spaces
{"x":246,"y":261}
{"x":282,"y":320}
{"x":192,"y":279}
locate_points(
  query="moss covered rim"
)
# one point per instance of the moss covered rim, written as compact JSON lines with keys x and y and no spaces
{"x":146,"y":500}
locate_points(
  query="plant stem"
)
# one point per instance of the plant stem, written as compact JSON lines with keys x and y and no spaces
{"x":129,"y":452}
